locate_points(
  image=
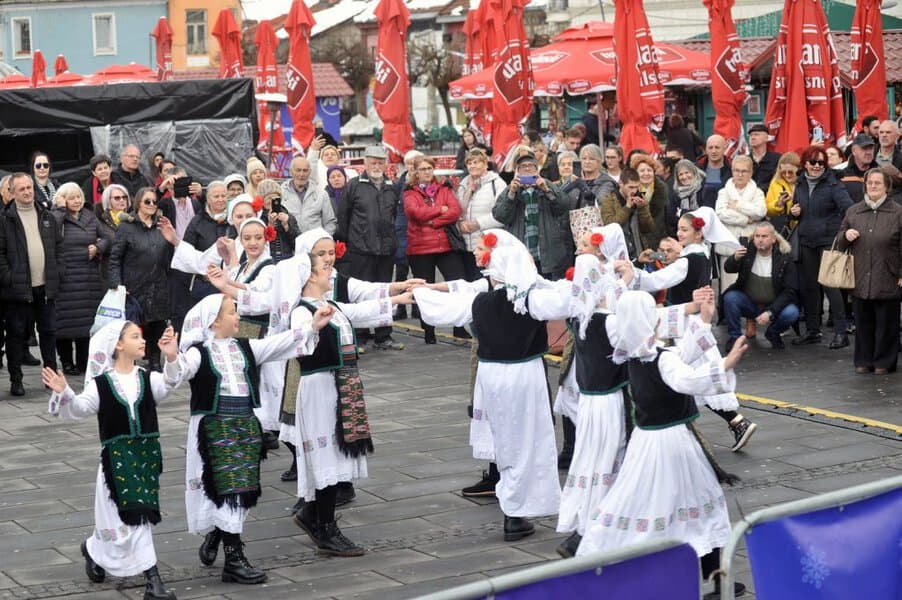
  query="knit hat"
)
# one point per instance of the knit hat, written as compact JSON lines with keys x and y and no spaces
{"x":236,"y":177}
{"x":254,"y":163}
{"x":267,"y":187}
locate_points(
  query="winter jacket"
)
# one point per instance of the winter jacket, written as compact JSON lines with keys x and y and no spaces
{"x":167,"y":207}
{"x":599,"y":189}
{"x":44,"y":196}
{"x":140,"y":261}
{"x":313,"y":210}
{"x":708,"y":195}
{"x":783,"y":276}
{"x":510,"y":212}
{"x":763,"y":171}
{"x":426,"y":222}
{"x":283,"y":246}
{"x":81,"y":289}
{"x":203,"y":231}
{"x":477,"y":206}
{"x":366,"y":220}
{"x":740,"y":211}
{"x":615,"y":210}
{"x":877,"y":251}
{"x":822,"y":209}
{"x":15,"y":275}
{"x":130,"y":181}
{"x":853,"y":178}
{"x":660,"y":199}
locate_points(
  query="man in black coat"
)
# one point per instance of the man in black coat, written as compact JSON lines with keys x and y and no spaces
{"x":766,"y":288}
{"x":30,"y":272}
{"x":765,"y":161}
{"x":366,"y":223}
{"x":716,"y":167}
{"x":128,"y":175}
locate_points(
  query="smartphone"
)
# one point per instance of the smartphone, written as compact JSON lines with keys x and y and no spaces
{"x":528,"y":180}
{"x":180,"y":187}
{"x":743,"y":241}
{"x":577,"y":168}
{"x":658,"y":256}
{"x":817,"y":135}
{"x":276,"y":205}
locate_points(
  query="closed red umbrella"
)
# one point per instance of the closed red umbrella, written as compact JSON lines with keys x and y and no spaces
{"x":162,"y":33}
{"x":511,"y":75}
{"x":805,"y":98}
{"x":60,"y":65}
{"x":474,"y":62}
{"x":640,"y":95}
{"x":228,"y":35}
{"x":391,"y":96}
{"x":266,"y":81}
{"x":38,"y":69}
{"x":730,"y":75}
{"x":868,"y":62}
{"x":299,"y":73}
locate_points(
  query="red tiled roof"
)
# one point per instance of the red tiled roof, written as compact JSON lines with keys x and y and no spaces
{"x":327,"y":81}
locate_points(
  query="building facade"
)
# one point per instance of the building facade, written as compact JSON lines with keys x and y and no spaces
{"x":192,"y":21}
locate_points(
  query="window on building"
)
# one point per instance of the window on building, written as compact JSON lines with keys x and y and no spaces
{"x":196,"y":20}
{"x":104,"y":34}
{"x":558,"y":5}
{"x":21,"y":27}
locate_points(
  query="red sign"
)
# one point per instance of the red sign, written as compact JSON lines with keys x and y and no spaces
{"x":387,"y":80}
{"x":868,"y":73}
{"x":297,"y":86}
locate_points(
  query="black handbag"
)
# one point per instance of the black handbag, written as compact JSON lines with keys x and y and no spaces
{"x":455,"y":238}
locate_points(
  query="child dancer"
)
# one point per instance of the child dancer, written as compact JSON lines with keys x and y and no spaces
{"x":222,"y":473}
{"x":668,"y":484}
{"x":126,"y":499}
{"x":511,"y":396}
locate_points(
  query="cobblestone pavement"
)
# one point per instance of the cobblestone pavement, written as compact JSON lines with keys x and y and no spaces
{"x":422,"y":535}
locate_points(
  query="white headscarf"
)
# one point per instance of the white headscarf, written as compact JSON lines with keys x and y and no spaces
{"x":196,"y":328}
{"x":305,"y":242}
{"x":288,"y":281}
{"x":239,"y":199}
{"x":505,"y":238}
{"x":101,"y":349}
{"x":591,"y":281}
{"x":634,"y":326}
{"x":265,"y":254}
{"x":613,"y":247}
{"x":513,"y":266}
{"x":714,"y":231}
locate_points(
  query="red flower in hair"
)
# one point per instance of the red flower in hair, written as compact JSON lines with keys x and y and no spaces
{"x":490,"y":240}
{"x":340,"y":249}
{"x":698,"y":223}
{"x":568,"y":275}
{"x":596,"y":239}
{"x":257,"y":204}
{"x":269,"y":233}
{"x":483,"y":260}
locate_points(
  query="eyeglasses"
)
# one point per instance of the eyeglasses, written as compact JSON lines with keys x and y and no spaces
{"x":41,"y":165}
{"x":817,"y":163}
{"x":149,"y":202}
{"x":118,"y":197}
{"x":131,"y":156}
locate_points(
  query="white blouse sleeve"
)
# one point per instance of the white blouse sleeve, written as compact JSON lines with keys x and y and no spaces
{"x":257,"y":298}
{"x":70,"y":406}
{"x":697,"y":342}
{"x":549,"y":304}
{"x":189,"y":259}
{"x":463,"y":286}
{"x":359,"y":290}
{"x":445,"y":309}
{"x":368,"y":313}
{"x":299,"y":341}
{"x":662,"y":279}
{"x":162,"y":384}
{"x":708,"y":379}
{"x":189,"y":363}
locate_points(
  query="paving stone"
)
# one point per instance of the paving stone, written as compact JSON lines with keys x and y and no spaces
{"x":460,"y":565}
{"x":347,"y":585}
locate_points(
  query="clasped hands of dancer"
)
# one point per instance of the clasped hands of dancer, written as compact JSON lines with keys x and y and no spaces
{"x":703,"y":302}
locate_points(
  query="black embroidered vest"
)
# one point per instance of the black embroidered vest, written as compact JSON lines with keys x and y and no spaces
{"x":341,"y":293}
{"x":327,"y":355}
{"x":595,"y":372}
{"x":114,"y":418}
{"x":505,"y":336}
{"x":656,"y":404}
{"x":205,"y":383}
{"x":698,"y":275}
{"x":261,"y":319}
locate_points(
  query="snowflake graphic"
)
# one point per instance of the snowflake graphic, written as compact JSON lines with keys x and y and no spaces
{"x":814,"y":567}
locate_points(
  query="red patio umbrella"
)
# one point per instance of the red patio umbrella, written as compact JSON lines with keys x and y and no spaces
{"x":162,"y":33}
{"x":391,"y":96}
{"x":730,"y":75}
{"x":38,"y":69}
{"x":266,"y":81}
{"x":640,"y":95}
{"x":228,"y":35}
{"x":14,"y":81}
{"x":581,"y":61}
{"x":299,"y":73}
{"x":511,"y":76}
{"x":474,"y":62}
{"x":805,"y":85}
{"x":130,"y":73}
{"x":868,"y":62}
{"x":60,"y":65}
{"x":65,"y":78}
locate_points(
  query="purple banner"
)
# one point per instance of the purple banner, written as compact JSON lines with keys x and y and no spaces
{"x":837,"y":553}
{"x":672,"y":573}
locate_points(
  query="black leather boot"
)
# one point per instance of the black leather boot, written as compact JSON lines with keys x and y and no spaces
{"x":517,"y":528}
{"x":95,"y":572}
{"x":155,"y":590}
{"x":305,"y":518}
{"x":566,"y":455}
{"x":238,"y":569}
{"x":333,"y":542}
{"x":345,"y":493}
{"x":210,"y":548}
{"x":567,"y":548}
{"x":270,"y":440}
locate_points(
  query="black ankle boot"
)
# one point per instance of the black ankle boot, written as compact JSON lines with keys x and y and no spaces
{"x":516,"y":528}
{"x":292,"y":473}
{"x":461,"y":333}
{"x":95,"y":572}
{"x":305,"y":518}
{"x":567,"y":548}
{"x":155,"y":590}
{"x":566,"y":455}
{"x":333,"y":542}
{"x":238,"y":569}
{"x":429,"y":334}
{"x":270,"y":440}
{"x":210,"y":548}
{"x":345,"y":493}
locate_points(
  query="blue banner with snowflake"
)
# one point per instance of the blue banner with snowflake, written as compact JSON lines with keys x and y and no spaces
{"x":850,"y":551}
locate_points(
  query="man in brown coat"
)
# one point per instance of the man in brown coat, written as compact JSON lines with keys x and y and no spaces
{"x":628,"y":208}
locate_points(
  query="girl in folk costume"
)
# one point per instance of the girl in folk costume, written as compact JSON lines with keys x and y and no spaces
{"x":126,"y":499}
{"x":692,"y":270}
{"x":667,"y":487}
{"x":511,"y":414}
{"x":332,"y":435}
{"x":225,"y":441}
{"x":255,"y":272}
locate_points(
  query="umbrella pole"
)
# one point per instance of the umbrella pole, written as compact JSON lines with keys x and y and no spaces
{"x":272,"y":127}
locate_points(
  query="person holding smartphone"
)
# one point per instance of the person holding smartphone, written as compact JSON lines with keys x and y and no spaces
{"x":274,"y":214}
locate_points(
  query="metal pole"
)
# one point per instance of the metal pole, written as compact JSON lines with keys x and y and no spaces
{"x":601,"y":6}
{"x":272,"y":126}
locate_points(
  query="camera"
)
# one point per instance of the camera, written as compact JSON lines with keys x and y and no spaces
{"x":528,"y":180}
{"x":658,"y":256}
{"x":637,"y":194}
{"x":275,"y":205}
{"x":180,"y":187}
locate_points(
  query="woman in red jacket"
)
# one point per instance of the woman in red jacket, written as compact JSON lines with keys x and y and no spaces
{"x":431,"y":207}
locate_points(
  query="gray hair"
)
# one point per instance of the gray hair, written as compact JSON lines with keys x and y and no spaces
{"x":567,"y":154}
{"x":68,"y":189}
{"x":218,"y":183}
{"x":594,"y":150}
{"x":745,"y":158}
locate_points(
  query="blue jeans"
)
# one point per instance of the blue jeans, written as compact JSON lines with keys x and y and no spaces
{"x":737,"y":304}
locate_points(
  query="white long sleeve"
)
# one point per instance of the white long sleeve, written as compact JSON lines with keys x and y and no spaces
{"x":662,"y":279}
{"x":707,"y":379}
{"x":445,"y":309}
{"x":256,"y":299}
{"x":550,"y":303}
{"x":189,"y":259}
{"x":368,"y":313}
{"x":359,"y":290}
